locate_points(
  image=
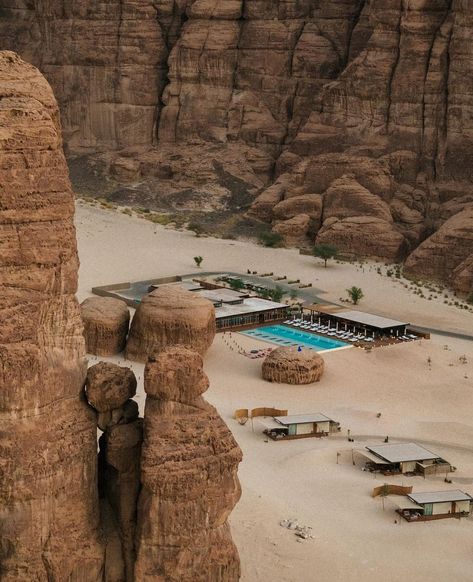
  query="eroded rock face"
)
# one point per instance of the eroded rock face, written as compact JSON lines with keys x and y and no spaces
{"x":49,"y":513}
{"x":119,"y":474}
{"x":448,"y":252}
{"x":106,"y":321}
{"x":168,"y":316}
{"x":290,"y":366}
{"x":264,"y":101}
{"x":189,"y":477}
{"x":109,"y":386}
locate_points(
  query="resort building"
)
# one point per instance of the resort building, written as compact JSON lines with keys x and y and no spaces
{"x":249,"y":312}
{"x":434,"y":505}
{"x":233,"y":309}
{"x":299,"y":426}
{"x":405,"y":458}
{"x":367,"y":323}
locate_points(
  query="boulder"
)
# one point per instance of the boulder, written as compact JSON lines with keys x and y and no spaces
{"x":346,"y":197}
{"x":446,"y":250}
{"x":309,"y":204}
{"x":287,"y":365}
{"x":463,"y":277}
{"x":109,"y":386}
{"x":363,"y":236}
{"x":169,"y":316}
{"x":295,"y":231}
{"x":106,"y":321}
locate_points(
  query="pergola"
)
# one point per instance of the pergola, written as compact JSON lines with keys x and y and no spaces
{"x":368,"y":322}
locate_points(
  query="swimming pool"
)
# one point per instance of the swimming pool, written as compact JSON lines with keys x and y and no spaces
{"x":286,"y":336}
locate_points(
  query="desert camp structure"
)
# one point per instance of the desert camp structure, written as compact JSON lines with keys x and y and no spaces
{"x":434,"y":505}
{"x":405,"y":458}
{"x":299,"y":426}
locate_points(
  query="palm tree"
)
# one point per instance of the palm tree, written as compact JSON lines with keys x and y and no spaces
{"x":198,"y":260}
{"x":355,"y":294}
{"x":325,"y":252}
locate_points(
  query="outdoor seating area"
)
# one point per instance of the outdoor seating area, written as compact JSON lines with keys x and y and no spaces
{"x":348,"y":331}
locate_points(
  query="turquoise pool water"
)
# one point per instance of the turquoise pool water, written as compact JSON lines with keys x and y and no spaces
{"x":287,"y":336}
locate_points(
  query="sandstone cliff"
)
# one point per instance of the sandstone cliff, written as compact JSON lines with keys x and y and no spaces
{"x":212,"y":104}
{"x":48,"y":484}
{"x":189,"y":477}
{"x":51,"y":526}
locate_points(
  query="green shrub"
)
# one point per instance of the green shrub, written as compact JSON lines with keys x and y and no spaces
{"x":270,"y":239}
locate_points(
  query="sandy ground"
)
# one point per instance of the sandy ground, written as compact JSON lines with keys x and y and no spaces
{"x":354,"y":538}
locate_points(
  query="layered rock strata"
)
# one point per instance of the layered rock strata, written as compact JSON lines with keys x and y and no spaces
{"x":207,"y":104}
{"x":448,"y":253}
{"x":189,"y":477}
{"x":106,"y":321}
{"x":49,"y":513}
{"x":109,"y":389}
{"x":168,"y":316}
{"x":291,"y":366}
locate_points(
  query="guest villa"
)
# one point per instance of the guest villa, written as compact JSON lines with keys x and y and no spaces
{"x":405,"y":458}
{"x":299,"y":426}
{"x":434,"y":505}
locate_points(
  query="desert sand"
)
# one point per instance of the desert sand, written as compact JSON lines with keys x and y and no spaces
{"x":353,"y":538}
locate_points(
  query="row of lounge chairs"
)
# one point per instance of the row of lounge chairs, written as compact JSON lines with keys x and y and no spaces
{"x":337,"y":333}
{"x":327,"y":330}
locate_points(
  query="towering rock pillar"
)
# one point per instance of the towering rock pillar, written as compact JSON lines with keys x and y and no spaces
{"x":189,"y":477}
{"x":49,"y":518}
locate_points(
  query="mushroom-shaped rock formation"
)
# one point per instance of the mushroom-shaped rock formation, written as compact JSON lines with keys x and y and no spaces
{"x":106,"y":321}
{"x":109,"y":386}
{"x":290,"y":366}
{"x":169,"y":316}
{"x":189,"y":477}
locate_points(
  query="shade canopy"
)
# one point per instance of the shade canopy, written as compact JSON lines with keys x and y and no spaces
{"x":402,"y":452}
{"x":302,"y":418}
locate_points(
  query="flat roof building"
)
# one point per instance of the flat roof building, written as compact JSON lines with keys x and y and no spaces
{"x":299,"y":426}
{"x":403,"y":458}
{"x":429,"y":505}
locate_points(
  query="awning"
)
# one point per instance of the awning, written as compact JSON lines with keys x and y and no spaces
{"x":270,"y":424}
{"x":370,"y":457}
{"x":405,"y":503}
